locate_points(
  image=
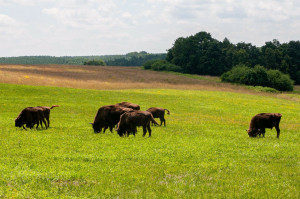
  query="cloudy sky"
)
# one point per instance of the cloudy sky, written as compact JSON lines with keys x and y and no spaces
{"x":102,"y":27}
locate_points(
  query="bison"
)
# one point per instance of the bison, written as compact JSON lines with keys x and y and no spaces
{"x":159,"y":113}
{"x":130,"y":120}
{"x":107,"y":117}
{"x":30,"y":116}
{"x":129,"y":105}
{"x":264,"y":120}
{"x":46,"y":111}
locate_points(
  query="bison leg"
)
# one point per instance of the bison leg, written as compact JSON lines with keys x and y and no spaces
{"x":39,"y":122}
{"x":164,"y":121}
{"x":24,"y":127}
{"x":145,"y":130}
{"x":149,"y":129}
{"x":278,"y":131}
{"x":263,"y":131}
{"x":44,"y":121}
{"x":48,"y":121}
{"x":105,"y":127}
{"x":111,"y":128}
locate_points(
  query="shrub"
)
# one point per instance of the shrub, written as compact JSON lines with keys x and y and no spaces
{"x":161,"y":65}
{"x":258,"y":76}
{"x":95,"y":62}
{"x":147,"y":65}
{"x":279,"y":81}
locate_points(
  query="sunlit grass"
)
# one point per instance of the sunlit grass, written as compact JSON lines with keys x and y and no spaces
{"x":203,"y":152}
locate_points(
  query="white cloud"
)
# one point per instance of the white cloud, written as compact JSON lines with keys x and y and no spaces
{"x":69,"y":27}
{"x":7,"y":21}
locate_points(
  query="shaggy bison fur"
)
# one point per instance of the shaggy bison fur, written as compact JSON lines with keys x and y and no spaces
{"x":159,"y":113}
{"x":129,"y":105}
{"x":130,"y":120}
{"x":29,"y":117}
{"x":107,"y":117}
{"x":264,"y":120}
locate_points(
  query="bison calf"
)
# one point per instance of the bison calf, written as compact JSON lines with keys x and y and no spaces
{"x":130,"y":120}
{"x":30,"y":116}
{"x":46,"y":111}
{"x":264,"y":120}
{"x":159,"y":113}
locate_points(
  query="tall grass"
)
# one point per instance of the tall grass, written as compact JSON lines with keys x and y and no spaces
{"x":203,"y":152}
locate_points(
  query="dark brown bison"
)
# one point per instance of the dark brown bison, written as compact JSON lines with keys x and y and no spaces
{"x":107,"y":117}
{"x":29,"y":117}
{"x":46,"y":111}
{"x":130,"y":120}
{"x":159,"y":113}
{"x":129,"y":105}
{"x":264,"y":120}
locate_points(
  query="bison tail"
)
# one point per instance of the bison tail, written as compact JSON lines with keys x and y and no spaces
{"x":54,"y":106}
{"x":153,"y":120}
{"x":168,"y":111}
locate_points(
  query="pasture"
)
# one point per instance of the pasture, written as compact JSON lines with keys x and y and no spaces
{"x":203,"y":152}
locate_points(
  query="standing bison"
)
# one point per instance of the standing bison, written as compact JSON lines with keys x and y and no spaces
{"x":130,"y":120}
{"x":46,"y":111}
{"x":29,"y":117}
{"x":264,"y":120}
{"x":159,"y":113}
{"x":129,"y":105}
{"x":107,"y":117}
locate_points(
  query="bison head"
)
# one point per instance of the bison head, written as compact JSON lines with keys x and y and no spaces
{"x":19,"y":122}
{"x":97,"y":128}
{"x":252,"y":132}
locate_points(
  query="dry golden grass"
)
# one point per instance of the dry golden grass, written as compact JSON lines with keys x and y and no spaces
{"x":105,"y":77}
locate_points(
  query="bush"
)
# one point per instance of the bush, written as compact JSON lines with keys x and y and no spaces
{"x":147,"y":65}
{"x":161,"y":65}
{"x":279,"y":81}
{"x":258,"y":76}
{"x":95,"y":62}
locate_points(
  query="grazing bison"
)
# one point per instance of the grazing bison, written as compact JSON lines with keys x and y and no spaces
{"x":159,"y":113}
{"x":46,"y":111}
{"x":129,"y":105}
{"x":264,"y":120}
{"x":108,"y":116}
{"x":30,"y":116}
{"x":130,"y":120}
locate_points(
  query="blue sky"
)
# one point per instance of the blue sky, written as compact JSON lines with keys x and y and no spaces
{"x":102,"y":27}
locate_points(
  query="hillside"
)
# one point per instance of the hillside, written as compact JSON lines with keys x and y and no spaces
{"x":108,"y":77}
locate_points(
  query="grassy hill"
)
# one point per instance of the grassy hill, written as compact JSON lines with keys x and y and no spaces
{"x":203,"y":152}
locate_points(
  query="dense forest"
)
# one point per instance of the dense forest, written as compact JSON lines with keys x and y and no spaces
{"x":129,"y":59}
{"x":203,"y":55}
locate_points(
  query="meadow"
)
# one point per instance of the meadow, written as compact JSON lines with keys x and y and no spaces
{"x":203,"y":152}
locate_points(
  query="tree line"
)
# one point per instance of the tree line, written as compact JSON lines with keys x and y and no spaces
{"x":201,"y":54}
{"x":129,"y":59}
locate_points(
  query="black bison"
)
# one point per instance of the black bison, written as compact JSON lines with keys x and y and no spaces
{"x":29,"y":117}
{"x":46,"y":111}
{"x":129,"y":105}
{"x":130,"y":120}
{"x":107,"y":117}
{"x":264,"y":120}
{"x":159,"y":113}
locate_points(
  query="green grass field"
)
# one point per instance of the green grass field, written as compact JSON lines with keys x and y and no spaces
{"x":203,"y":152}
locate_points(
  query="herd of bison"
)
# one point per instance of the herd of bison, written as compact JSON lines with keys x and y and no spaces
{"x":125,"y":117}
